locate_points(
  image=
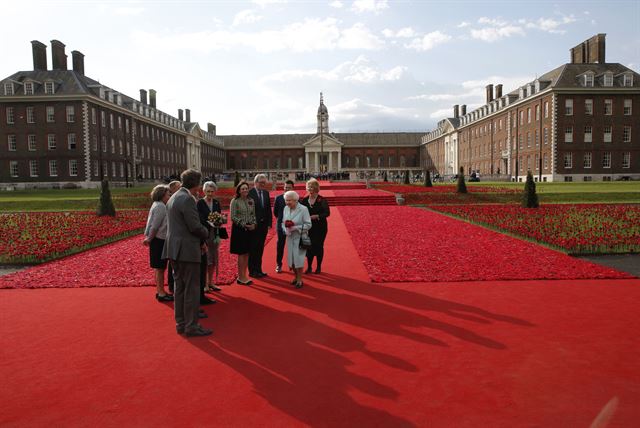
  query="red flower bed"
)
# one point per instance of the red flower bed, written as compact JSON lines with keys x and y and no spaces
{"x":122,"y":264}
{"x":409,"y":244}
{"x":590,"y":228}
{"x":35,"y":237}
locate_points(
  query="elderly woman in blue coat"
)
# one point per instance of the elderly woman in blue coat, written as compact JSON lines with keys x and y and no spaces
{"x":295,"y":221}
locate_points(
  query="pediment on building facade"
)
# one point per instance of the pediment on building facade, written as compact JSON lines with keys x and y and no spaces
{"x":327,"y":141}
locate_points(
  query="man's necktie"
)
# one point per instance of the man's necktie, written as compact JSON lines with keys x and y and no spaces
{"x":261,"y":198}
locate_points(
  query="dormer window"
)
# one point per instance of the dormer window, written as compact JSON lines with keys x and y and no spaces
{"x":531,"y":87}
{"x":28,"y":88}
{"x":608,"y":79}
{"x":521,"y":93}
{"x":49,"y":88}
{"x":588,"y":80}
{"x":627,"y":79}
{"x":537,"y":86}
{"x":8,"y":88}
{"x":110,"y":96}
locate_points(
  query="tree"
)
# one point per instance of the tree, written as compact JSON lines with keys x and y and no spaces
{"x":105,"y":205}
{"x":406,"y":177}
{"x":530,"y":197}
{"x":385,"y":179}
{"x":236,"y":179}
{"x":427,"y":179}
{"x":461,"y":186}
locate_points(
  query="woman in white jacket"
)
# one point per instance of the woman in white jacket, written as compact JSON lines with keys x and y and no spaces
{"x":295,"y":221}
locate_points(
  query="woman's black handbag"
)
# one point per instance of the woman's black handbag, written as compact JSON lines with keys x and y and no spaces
{"x":222,"y":233}
{"x":305,"y":241}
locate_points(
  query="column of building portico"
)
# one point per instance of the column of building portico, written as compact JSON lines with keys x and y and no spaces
{"x":339,"y":161}
{"x":306,"y":158}
{"x":330,"y":162}
{"x":316,"y":164}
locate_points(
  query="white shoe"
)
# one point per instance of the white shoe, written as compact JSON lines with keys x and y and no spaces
{"x":278,"y":269}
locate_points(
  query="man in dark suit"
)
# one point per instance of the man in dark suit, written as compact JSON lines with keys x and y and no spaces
{"x":264,"y":219}
{"x":183,"y":248}
{"x":278,"y":209}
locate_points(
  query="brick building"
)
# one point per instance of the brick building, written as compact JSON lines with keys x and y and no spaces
{"x":578,"y":122}
{"x":351,"y":154}
{"x":59,"y":127}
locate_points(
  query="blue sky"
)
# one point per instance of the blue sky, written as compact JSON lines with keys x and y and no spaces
{"x":259,"y":66}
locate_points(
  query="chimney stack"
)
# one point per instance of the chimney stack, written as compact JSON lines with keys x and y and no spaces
{"x":499,"y":91}
{"x":590,"y":51}
{"x":143,"y":96}
{"x":456,"y":111}
{"x":211,"y":128}
{"x":77,"y":59}
{"x":489,"y":89}
{"x":152,"y":97}
{"x":180,"y":117}
{"x":59,"y":58}
{"x":187,"y":114}
{"x":463,"y":109}
{"x":39,"y":51}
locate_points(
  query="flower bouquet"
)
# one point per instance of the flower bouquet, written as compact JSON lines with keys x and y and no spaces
{"x":216,"y":219}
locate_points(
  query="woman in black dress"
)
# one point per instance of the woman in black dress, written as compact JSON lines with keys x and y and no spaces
{"x":206,"y":206}
{"x":243,"y":216}
{"x":319,"y":211}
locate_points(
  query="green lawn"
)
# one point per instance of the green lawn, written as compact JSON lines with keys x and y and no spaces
{"x":581,"y":187}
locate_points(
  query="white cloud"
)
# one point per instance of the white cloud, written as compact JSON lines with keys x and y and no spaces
{"x":336,"y":4}
{"x":360,"y":70}
{"x":551,"y":25}
{"x":405,"y":32}
{"x":128,"y":11}
{"x":428,"y":41}
{"x":306,"y":36}
{"x":463,"y":24}
{"x":375,"y":6}
{"x":492,"y":34}
{"x":441,"y":114}
{"x":359,"y":37}
{"x":492,"y":21}
{"x":246,"y":17}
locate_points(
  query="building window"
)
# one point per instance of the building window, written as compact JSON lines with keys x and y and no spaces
{"x":51,"y":114}
{"x":71,"y":141}
{"x":111,"y":120}
{"x":588,"y":80}
{"x":51,"y":141}
{"x":568,"y":160}
{"x":588,"y":107}
{"x":537,"y":162}
{"x":31,"y":115}
{"x":113,"y":146}
{"x":546,"y":109}
{"x":607,"y":134}
{"x":8,"y":88}
{"x":31,"y":139}
{"x":71,"y":114}
{"x":113,"y":169}
{"x":568,"y":179}
{"x":626,"y":159}
{"x":33,"y":168}
{"x":122,"y":169}
{"x":73,"y":167}
{"x":93,"y":116}
{"x":608,"y":79}
{"x":626,"y":134}
{"x":588,"y":134}
{"x":545,"y":160}
{"x":568,"y":107}
{"x":28,"y":88}
{"x":568,"y":134}
{"x":528,"y":139}
{"x":96,"y":168}
{"x":627,"y":107}
{"x":537,"y":138}
{"x":545,"y":136}
{"x":587,"y":160}
{"x":49,"y":88}
{"x":529,"y":115}
{"x":120,"y":149}
{"x":12,"y":143}
{"x":606,"y":159}
{"x":10,"y":116}
{"x":608,"y":107}
{"x":103,"y":119}
{"x":521,"y":117}
{"x":53,"y":168}
{"x":13,"y":168}
{"x":627,"y":80}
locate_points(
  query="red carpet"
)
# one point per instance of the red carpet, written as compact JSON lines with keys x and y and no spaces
{"x":339,"y":352}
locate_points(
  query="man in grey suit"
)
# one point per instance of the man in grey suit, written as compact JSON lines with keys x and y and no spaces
{"x":183,"y":248}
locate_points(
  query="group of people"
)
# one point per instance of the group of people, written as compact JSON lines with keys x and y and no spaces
{"x":182,"y":237}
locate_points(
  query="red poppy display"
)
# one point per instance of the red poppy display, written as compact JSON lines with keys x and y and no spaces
{"x":399,"y":244}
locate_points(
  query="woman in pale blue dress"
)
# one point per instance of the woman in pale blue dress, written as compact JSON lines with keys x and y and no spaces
{"x":295,"y":219}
